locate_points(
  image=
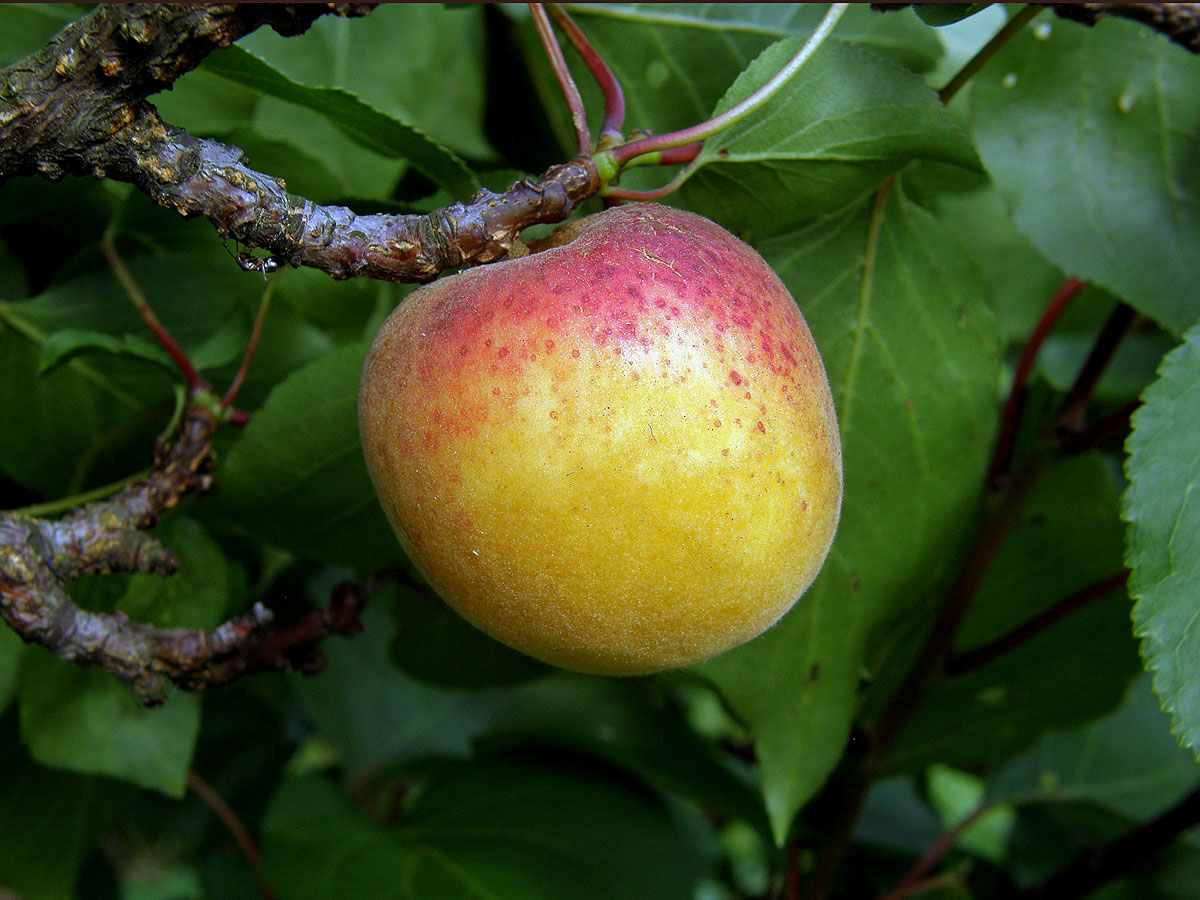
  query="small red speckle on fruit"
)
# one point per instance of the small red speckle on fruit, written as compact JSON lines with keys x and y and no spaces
{"x":549,"y":346}
{"x":735,"y":377}
{"x":554,"y":414}
{"x":575,"y":353}
{"x":725,"y":452}
{"x":762,"y":428}
{"x":716,"y":423}
{"x":503,"y":352}
{"x":496,"y":392}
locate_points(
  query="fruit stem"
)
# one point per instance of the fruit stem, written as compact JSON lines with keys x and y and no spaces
{"x":558,"y":63}
{"x":626,"y":152}
{"x":614,"y":98}
{"x":987,"y":51}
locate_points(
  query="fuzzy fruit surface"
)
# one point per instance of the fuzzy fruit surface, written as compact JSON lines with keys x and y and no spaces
{"x":618,"y":455}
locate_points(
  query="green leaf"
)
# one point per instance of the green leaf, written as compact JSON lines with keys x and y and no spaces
{"x":939,"y":14}
{"x":361,"y":122}
{"x":69,"y":343}
{"x":1162,"y":507}
{"x":395,"y":62}
{"x":675,"y":61}
{"x":10,"y":658}
{"x":1092,"y":136}
{"x":86,"y":721}
{"x":631,"y":723}
{"x":1067,"y":538}
{"x":910,"y":350}
{"x":374,"y":715}
{"x":1098,"y":762}
{"x":838,"y":128}
{"x":25,"y":27}
{"x":48,"y":424}
{"x":297,"y":476}
{"x":436,"y":645}
{"x":492,"y":830}
{"x":49,"y":822}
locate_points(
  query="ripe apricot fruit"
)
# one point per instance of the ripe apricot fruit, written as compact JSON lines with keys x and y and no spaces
{"x":618,"y":454}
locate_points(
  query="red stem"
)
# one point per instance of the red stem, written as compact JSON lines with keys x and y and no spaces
{"x":234,"y":826}
{"x":196,"y":384}
{"x":251,"y":347}
{"x":558,"y":63}
{"x":1002,"y":456}
{"x":986,"y":653}
{"x":614,"y":98}
{"x":912,"y":880}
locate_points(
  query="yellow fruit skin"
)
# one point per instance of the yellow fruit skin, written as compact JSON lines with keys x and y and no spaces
{"x":619,"y":455}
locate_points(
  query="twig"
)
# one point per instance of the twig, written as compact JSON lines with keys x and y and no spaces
{"x":1088,"y":437}
{"x":1180,"y":22}
{"x":914,"y":877}
{"x":1070,"y":412}
{"x":610,"y":88}
{"x":977,"y":657}
{"x":626,"y":152}
{"x":1126,"y":854}
{"x":233,"y":824}
{"x":558,"y":63}
{"x":1002,"y":454}
{"x":972,"y":66}
{"x":236,"y":385}
{"x":79,"y":107}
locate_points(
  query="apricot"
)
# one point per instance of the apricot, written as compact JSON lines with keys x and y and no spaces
{"x":618,"y":454}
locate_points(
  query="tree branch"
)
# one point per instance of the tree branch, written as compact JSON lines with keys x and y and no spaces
{"x":38,"y":558}
{"x":1180,"y":22}
{"x":79,"y":107}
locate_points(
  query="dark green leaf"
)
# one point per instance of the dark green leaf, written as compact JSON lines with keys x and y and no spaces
{"x":67,"y":344}
{"x":1067,"y":538}
{"x":25,"y":27}
{"x":946,"y":13}
{"x":436,"y":645}
{"x":48,"y":424}
{"x":1098,"y":762}
{"x":374,"y":716}
{"x":631,"y":723}
{"x":49,"y":822}
{"x":364,"y":124}
{"x":838,"y":128}
{"x":910,"y":350}
{"x":676,"y":60}
{"x":394,"y":62}
{"x":493,"y":830}
{"x":10,"y":658}
{"x":84,"y":720}
{"x":1093,"y":136}
{"x":1162,"y":507}
{"x":297,"y":476}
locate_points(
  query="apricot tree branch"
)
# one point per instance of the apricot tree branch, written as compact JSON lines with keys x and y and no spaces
{"x":38,"y":557}
{"x":1180,"y":22}
{"x":79,"y":107}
